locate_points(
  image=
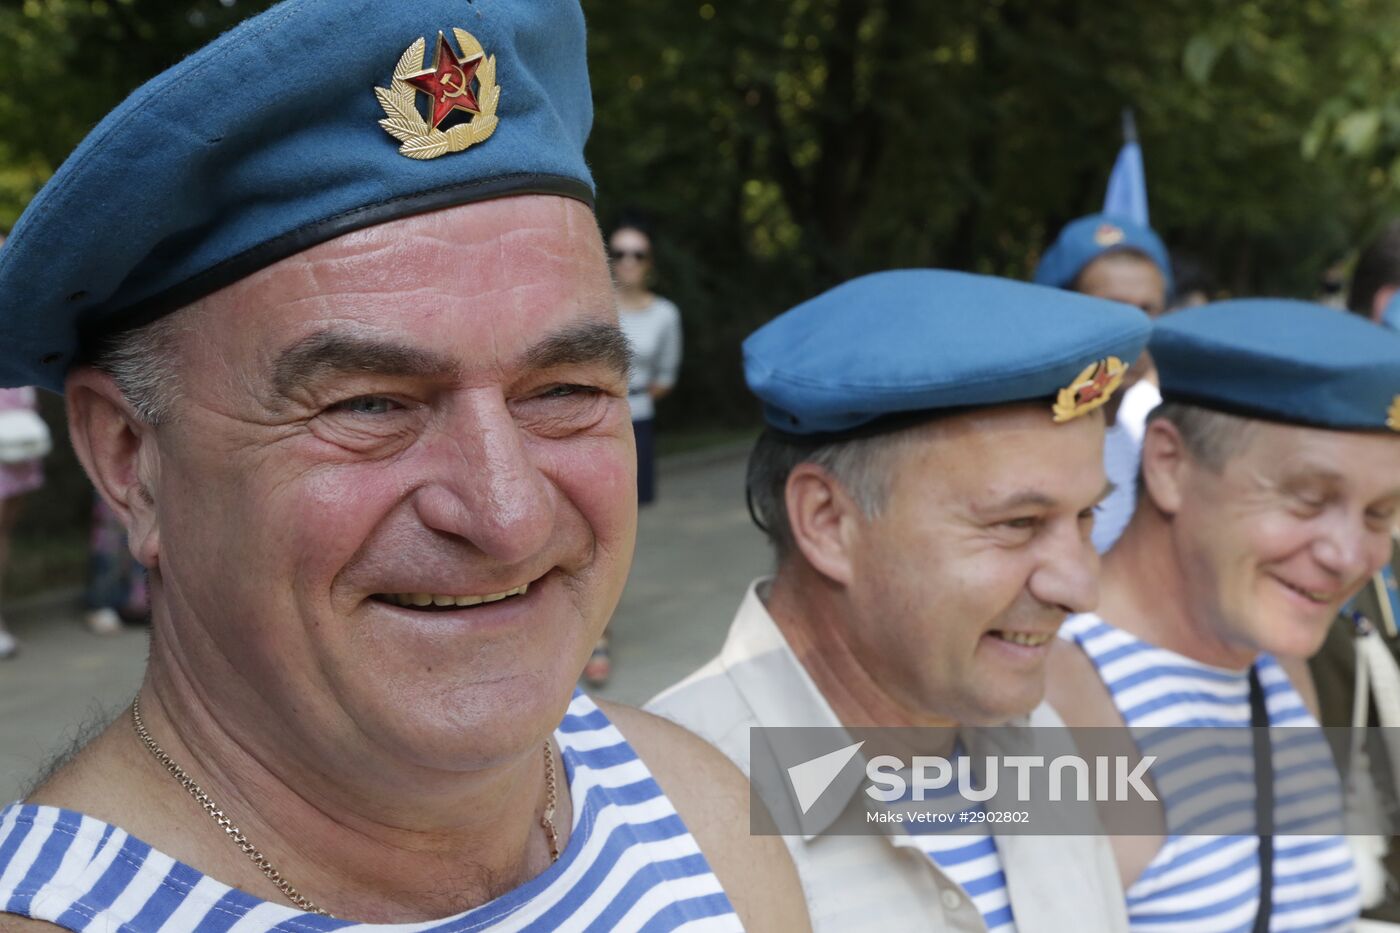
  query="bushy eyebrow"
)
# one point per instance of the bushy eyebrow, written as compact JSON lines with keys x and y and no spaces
{"x":1037,"y":500}
{"x":331,"y":353}
{"x":1312,"y":473}
{"x":584,"y":343}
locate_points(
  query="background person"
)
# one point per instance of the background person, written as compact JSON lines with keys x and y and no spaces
{"x":16,"y":479}
{"x":653,"y":328}
{"x":1113,"y":257}
{"x":116,"y":583}
{"x":1376,"y":278}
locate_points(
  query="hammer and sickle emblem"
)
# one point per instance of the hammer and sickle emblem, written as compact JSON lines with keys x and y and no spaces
{"x":457,"y":88}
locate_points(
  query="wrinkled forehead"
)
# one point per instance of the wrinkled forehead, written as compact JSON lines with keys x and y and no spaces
{"x":988,"y":449}
{"x":1367,"y":462}
{"x":1005,"y":457}
{"x":483,"y":273}
{"x":998,"y":426}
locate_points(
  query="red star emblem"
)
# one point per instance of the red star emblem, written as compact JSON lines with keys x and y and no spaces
{"x":1096,"y":386}
{"x":448,"y":82}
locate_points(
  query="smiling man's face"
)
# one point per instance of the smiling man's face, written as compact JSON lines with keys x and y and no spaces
{"x":979,"y":553}
{"x":1290,"y":527}
{"x":430,"y":411}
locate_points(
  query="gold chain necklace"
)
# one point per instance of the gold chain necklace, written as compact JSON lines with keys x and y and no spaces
{"x":247,"y":848}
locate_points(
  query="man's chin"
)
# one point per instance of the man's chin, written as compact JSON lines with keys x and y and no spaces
{"x":992,"y":711}
{"x":1294,"y":635}
{"x":467,"y":727}
{"x":1299,"y":645}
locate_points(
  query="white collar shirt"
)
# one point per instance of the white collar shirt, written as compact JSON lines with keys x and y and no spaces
{"x":882,"y":883}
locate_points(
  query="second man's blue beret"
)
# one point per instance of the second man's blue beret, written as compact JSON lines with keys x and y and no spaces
{"x":928,"y":340}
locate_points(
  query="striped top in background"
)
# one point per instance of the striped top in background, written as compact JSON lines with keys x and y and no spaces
{"x":1210,"y":883}
{"x":630,"y":864}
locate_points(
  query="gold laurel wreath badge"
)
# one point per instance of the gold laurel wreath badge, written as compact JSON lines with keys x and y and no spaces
{"x":1068,"y":405}
{"x":421,"y":140}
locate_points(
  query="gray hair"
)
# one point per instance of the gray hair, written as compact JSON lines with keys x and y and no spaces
{"x":1211,"y":437}
{"x":861,"y":465}
{"x":143,"y":364}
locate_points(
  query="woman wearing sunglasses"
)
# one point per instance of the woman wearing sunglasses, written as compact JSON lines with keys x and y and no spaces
{"x":653,"y":328}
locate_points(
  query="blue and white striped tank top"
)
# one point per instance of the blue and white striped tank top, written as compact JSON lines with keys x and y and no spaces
{"x":630,"y":864}
{"x":1211,"y":883}
{"x":968,"y":857}
{"x":973,"y":862}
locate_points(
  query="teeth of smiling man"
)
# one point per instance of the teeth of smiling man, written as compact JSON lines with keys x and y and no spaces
{"x":1025,"y":638}
{"x":418,"y":600}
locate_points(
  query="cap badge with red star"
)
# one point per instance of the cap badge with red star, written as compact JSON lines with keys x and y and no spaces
{"x":448,"y":84}
{"x":1108,"y":235}
{"x":1092,"y":388}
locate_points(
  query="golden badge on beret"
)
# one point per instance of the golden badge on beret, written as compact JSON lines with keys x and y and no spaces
{"x":1090,"y":389}
{"x":1108,"y":235}
{"x":1392,"y":417}
{"x":448,"y":81}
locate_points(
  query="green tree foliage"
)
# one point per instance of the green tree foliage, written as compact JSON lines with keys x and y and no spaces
{"x":65,"y":63}
{"x":1358,"y":120}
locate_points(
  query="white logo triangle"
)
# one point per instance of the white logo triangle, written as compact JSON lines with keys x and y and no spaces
{"x":811,"y":778}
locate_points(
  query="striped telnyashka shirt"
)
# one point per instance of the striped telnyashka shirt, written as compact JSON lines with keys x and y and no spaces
{"x":972,"y":861}
{"x":630,"y":864}
{"x":967,"y":856}
{"x":1211,"y":883}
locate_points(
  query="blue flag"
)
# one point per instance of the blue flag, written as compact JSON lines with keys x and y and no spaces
{"x":1127,"y":186}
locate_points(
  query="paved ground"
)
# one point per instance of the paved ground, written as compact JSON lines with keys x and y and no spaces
{"x":696,"y":550}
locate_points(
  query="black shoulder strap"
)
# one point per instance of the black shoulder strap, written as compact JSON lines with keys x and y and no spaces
{"x":1264,"y":800}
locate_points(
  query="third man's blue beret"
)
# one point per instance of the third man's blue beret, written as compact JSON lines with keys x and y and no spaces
{"x":1281,"y":360}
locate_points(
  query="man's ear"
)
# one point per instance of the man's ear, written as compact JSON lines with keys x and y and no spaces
{"x":118,"y":451}
{"x":1165,"y":460}
{"x":824,"y":520}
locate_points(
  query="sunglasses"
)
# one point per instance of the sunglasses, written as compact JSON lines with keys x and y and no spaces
{"x":617,"y":255}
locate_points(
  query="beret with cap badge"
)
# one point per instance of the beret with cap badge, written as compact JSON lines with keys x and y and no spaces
{"x":1086,"y":239}
{"x":1281,"y":360}
{"x":916,"y":342}
{"x":313,"y":119}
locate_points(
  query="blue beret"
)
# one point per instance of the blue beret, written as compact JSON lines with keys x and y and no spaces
{"x":1289,"y":361}
{"x":314,"y":119}
{"x":1086,"y":239}
{"x":925,"y":340}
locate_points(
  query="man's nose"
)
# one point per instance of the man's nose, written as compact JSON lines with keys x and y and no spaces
{"x":1349,"y":549}
{"x":484,"y":488}
{"x":1068,"y":574}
